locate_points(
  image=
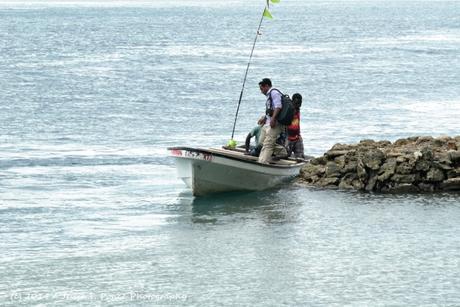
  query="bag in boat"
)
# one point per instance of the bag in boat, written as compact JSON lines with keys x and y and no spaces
{"x":287,"y":111}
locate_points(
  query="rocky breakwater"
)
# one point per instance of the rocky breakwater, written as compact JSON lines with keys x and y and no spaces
{"x":415,"y":164}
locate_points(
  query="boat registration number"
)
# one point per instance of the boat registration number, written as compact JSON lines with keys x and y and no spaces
{"x":191,"y":154}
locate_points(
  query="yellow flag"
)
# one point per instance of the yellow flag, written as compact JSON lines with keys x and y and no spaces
{"x":275,"y":1}
{"x":267,"y":14}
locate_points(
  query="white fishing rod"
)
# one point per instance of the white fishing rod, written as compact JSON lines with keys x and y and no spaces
{"x":266,"y":13}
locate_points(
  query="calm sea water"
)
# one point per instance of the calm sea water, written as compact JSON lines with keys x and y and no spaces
{"x":91,"y":94}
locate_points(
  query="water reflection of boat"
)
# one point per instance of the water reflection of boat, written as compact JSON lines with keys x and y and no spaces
{"x":214,"y":170}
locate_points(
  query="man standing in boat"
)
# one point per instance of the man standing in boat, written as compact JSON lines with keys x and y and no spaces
{"x":271,"y":127}
{"x":295,"y":141}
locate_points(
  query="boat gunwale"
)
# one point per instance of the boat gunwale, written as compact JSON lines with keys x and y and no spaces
{"x":231,"y":157}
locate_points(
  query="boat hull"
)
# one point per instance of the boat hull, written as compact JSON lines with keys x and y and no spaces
{"x":207,"y":172}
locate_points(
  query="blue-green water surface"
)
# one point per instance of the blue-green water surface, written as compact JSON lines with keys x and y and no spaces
{"x":92,"y":93}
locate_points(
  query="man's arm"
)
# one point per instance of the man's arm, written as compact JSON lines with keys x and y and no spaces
{"x":262,"y":120}
{"x":248,"y":142}
{"x":273,"y":118}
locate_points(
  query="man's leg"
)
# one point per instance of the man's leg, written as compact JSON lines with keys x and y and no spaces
{"x":280,"y":151}
{"x":271,"y":134}
{"x":263,"y":133}
{"x":298,"y":149}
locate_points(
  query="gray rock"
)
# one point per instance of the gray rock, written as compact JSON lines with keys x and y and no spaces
{"x":358,"y":185}
{"x":451,"y":145}
{"x":424,"y":139}
{"x":393,"y":154}
{"x":401,"y":159}
{"x":435,"y":175}
{"x":373,"y":159}
{"x":417,"y":155}
{"x":422,"y":165}
{"x":341,"y":162}
{"x":399,"y":178}
{"x":309,"y":170}
{"x":388,"y":166}
{"x":319,"y":161}
{"x":401,"y":142}
{"x":385,"y":176}
{"x":441,"y":165}
{"x":439,"y":142}
{"x":331,"y":154}
{"x":361,"y":170}
{"x":384,"y":143}
{"x":453,"y":173}
{"x":343,"y":147}
{"x":408,"y":165}
{"x":427,"y":153}
{"x":350,"y":167}
{"x":367,"y":142}
{"x":404,"y":168}
{"x":403,"y":188}
{"x":332,"y":169}
{"x":426,"y":187}
{"x":452,"y":184}
{"x":324,"y":182}
{"x":454,"y":156}
{"x":370,"y":186}
{"x":347,"y":181}
{"x":443,"y":158}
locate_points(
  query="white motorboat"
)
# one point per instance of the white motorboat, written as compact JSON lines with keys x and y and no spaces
{"x":213,"y":170}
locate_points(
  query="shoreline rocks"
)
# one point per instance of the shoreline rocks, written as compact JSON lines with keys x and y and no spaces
{"x":414,"y":164}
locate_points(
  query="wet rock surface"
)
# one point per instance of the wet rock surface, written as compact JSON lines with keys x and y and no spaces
{"x":414,"y":164}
